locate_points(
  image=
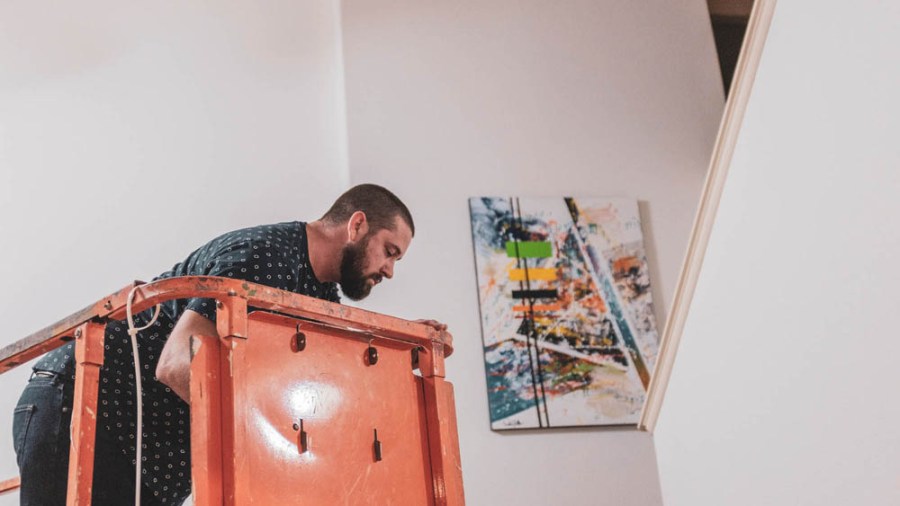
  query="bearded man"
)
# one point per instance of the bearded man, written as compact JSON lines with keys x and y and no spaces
{"x":354,"y":245}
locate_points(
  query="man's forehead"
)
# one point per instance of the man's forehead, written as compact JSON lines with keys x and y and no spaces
{"x":400,"y":235}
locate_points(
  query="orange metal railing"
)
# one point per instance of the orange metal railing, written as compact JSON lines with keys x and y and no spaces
{"x":226,"y":395}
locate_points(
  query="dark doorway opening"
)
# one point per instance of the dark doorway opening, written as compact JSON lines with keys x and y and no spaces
{"x":729,"y":23}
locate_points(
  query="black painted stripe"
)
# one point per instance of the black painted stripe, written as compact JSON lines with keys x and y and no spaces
{"x":535,"y":294}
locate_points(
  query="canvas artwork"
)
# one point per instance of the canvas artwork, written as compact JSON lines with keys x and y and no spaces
{"x":569,"y":334}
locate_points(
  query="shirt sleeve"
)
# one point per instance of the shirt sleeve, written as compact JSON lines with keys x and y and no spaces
{"x":333,"y":294}
{"x":250,"y":261}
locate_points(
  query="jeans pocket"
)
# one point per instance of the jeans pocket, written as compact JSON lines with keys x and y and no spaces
{"x":21,"y":421}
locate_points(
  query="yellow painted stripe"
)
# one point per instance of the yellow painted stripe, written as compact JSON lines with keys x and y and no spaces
{"x":534,"y":274}
{"x":543,"y":308}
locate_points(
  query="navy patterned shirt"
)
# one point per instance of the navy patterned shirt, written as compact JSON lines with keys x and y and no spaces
{"x":273,"y":255}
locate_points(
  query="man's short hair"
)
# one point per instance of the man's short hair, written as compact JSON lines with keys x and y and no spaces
{"x":378,"y":203}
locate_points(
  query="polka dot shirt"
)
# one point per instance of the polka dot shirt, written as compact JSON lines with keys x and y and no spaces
{"x":274,"y":255}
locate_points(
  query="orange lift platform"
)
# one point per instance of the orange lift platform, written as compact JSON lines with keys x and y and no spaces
{"x":299,"y":401}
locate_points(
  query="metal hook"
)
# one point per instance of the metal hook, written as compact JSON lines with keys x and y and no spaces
{"x":302,"y":438}
{"x":376,"y":446}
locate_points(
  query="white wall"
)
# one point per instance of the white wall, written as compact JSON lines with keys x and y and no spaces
{"x":784,"y":389}
{"x":132,"y":133}
{"x":129,"y":135}
{"x":448,"y":100}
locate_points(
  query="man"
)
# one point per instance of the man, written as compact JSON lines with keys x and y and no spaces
{"x":354,"y":245}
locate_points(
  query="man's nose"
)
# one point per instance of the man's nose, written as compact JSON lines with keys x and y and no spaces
{"x":388,"y":269}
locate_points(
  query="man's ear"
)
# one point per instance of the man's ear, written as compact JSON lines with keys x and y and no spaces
{"x":357,"y":226}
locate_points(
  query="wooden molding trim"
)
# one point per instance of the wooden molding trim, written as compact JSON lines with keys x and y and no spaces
{"x":729,"y":128}
{"x":737,"y":9}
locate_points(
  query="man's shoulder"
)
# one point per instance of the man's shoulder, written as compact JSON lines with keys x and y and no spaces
{"x":284,"y":240}
{"x":284,"y":237}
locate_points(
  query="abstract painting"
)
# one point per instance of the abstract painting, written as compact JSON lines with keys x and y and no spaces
{"x":567,"y":318}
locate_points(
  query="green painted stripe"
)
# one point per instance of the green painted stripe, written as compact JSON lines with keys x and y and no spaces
{"x":529,"y":249}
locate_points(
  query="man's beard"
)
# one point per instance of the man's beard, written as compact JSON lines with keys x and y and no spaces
{"x":354,"y":282}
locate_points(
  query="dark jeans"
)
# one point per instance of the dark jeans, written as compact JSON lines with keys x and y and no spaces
{"x":41,"y":433}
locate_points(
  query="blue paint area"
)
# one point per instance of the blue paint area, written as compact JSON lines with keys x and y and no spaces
{"x":613,"y":302}
{"x":508,"y":379}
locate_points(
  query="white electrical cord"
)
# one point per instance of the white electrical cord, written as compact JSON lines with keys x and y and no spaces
{"x":132,"y":331}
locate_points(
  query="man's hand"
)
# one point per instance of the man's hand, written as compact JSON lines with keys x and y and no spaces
{"x":433,"y":323}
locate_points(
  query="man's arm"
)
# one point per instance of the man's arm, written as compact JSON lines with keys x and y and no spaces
{"x":174,"y":367}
